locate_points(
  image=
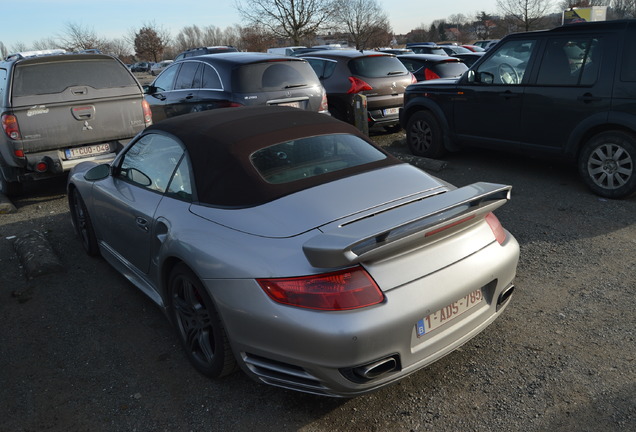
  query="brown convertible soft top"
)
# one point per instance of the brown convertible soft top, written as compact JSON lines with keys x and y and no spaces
{"x":221,"y":141}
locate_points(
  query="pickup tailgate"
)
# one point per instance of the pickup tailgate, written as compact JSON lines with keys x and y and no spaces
{"x":66,"y":104}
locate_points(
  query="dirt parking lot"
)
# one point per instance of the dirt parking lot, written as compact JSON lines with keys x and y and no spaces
{"x":83,"y":350}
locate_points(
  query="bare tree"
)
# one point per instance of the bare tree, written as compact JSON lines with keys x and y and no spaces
{"x":48,"y":43}
{"x":623,"y":8}
{"x":525,"y":14}
{"x":256,"y":39}
{"x":77,"y":38}
{"x":289,"y":19}
{"x":363,"y":20}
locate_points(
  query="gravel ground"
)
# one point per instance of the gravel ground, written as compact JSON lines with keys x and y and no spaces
{"x":83,"y":350}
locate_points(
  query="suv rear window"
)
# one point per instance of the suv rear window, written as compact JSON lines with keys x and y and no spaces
{"x":55,"y":77}
{"x":273,"y":76}
{"x":377,"y":66}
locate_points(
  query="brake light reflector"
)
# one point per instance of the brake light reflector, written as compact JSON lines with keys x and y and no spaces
{"x":357,"y":85}
{"x":342,"y":290}
{"x":413,"y":79}
{"x":429,"y":74}
{"x":324,"y":106}
{"x":495,"y":226}
{"x":10,"y":126}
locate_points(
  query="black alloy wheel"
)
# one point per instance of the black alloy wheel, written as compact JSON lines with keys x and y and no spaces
{"x":424,"y":135}
{"x":83,"y":224}
{"x":198,"y":325}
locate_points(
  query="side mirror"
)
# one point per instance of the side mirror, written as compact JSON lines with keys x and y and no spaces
{"x":470,"y":76}
{"x":98,"y":172}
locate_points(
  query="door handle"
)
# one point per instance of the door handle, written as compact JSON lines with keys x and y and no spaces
{"x":588,"y":97}
{"x":509,"y":95}
{"x":142,"y":223}
{"x":190,"y":96}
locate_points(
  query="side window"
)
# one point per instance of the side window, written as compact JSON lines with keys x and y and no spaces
{"x":507,"y":65}
{"x":211,"y":79}
{"x":628,"y":68}
{"x":3,"y":82}
{"x":164,"y":82}
{"x":570,"y":61}
{"x":180,"y":184}
{"x":186,"y":75}
{"x":318,"y":66}
{"x":151,"y":162}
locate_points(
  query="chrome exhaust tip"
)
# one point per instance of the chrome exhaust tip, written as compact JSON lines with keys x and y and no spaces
{"x":504,"y":297}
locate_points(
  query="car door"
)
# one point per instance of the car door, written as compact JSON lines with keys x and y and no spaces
{"x":573,"y":86}
{"x":487,"y":108}
{"x":158,"y":92}
{"x":126,"y":202}
{"x":184,"y":96}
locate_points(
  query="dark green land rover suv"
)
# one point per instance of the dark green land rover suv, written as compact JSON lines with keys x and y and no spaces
{"x":567,"y":93}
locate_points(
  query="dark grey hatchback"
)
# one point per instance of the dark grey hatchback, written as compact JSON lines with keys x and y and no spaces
{"x":234,"y":79}
{"x":381,"y":77}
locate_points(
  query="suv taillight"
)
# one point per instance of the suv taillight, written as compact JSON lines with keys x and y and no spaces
{"x":342,"y":290}
{"x":324,"y":106}
{"x":147,"y":112}
{"x":10,"y":126}
{"x":357,"y":85}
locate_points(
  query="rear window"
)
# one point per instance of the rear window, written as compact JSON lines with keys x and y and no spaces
{"x":309,"y":157}
{"x":273,"y":76}
{"x":55,"y":77}
{"x":377,"y":66}
{"x":449,"y":69}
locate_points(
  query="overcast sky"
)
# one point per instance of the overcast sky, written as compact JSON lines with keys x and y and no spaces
{"x":32,"y":20}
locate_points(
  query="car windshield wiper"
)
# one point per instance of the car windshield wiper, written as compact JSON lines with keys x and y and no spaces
{"x":295,"y":86}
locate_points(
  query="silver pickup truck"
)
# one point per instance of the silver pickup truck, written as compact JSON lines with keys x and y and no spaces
{"x":60,"y":109}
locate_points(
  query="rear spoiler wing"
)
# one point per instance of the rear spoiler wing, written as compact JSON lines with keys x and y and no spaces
{"x":410,"y":225}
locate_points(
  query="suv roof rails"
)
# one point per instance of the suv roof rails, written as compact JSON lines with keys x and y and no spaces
{"x":35,"y":53}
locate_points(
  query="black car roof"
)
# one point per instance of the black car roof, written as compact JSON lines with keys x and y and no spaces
{"x":240,"y":57}
{"x":220,"y":143}
{"x":345,"y":53}
{"x":430,"y":57}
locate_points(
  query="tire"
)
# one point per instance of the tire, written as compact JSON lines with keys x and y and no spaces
{"x":83,"y":224}
{"x":10,"y":188}
{"x":607,"y":164}
{"x":198,"y":325}
{"x":424,"y":135}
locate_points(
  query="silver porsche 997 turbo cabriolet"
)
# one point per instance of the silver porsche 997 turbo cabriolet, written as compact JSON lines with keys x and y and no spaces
{"x":286,"y":243}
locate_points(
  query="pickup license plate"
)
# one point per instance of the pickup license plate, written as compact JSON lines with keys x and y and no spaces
{"x":446,"y":314}
{"x":80,"y":152}
{"x":391,"y":111}
{"x":290,"y":104}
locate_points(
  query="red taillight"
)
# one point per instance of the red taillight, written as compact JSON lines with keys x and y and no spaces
{"x":413,"y":79}
{"x":10,"y":126}
{"x":147,"y":112}
{"x":429,"y":74}
{"x":41,"y":167}
{"x":324,"y":106}
{"x":495,"y":226}
{"x":357,"y":85}
{"x":346,"y":289}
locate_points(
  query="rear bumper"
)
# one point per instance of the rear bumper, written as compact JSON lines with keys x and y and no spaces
{"x":316,"y":352}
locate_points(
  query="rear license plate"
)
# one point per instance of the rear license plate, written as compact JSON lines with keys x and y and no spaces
{"x":80,"y":152}
{"x":448,"y":313}
{"x":391,"y":111}
{"x":290,"y":104}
